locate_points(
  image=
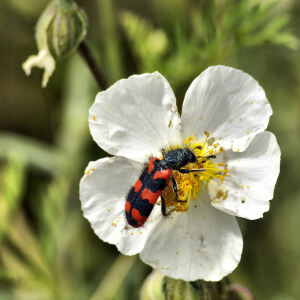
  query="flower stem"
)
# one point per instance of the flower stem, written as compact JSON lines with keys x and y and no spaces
{"x":90,"y":60}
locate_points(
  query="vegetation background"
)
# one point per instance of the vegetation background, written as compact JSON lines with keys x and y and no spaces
{"x":47,"y":249}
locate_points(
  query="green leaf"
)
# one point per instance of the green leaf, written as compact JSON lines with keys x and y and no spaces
{"x":12,"y":179}
{"x":30,"y":151}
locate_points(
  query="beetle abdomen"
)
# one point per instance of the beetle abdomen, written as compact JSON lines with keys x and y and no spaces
{"x":144,"y":194}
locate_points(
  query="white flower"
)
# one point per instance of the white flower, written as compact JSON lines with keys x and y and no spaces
{"x":226,"y":112}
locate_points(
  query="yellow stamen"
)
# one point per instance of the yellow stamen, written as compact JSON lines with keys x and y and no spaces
{"x":220,"y":177}
{"x":190,"y":184}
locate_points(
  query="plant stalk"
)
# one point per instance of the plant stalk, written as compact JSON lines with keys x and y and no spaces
{"x":90,"y":60}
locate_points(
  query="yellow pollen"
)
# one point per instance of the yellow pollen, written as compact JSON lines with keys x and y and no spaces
{"x":190,"y":184}
{"x":220,"y":177}
{"x":189,"y":139}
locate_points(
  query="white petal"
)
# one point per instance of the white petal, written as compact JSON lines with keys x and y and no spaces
{"x":253,"y":174}
{"x":102,"y":193}
{"x":227,"y":103}
{"x":136,"y":116}
{"x":43,"y":60}
{"x":202,"y":243}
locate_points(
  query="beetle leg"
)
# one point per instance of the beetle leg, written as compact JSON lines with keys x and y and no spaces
{"x":185,"y":171}
{"x":175,"y":188}
{"x":198,"y":147}
{"x":163,"y":206}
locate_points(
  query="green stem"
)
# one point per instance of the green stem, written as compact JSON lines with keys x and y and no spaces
{"x":110,"y":40}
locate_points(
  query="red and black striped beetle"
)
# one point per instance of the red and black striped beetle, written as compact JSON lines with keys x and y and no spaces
{"x":151,"y":183}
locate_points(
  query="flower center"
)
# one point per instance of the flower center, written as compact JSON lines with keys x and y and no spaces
{"x":190,"y":184}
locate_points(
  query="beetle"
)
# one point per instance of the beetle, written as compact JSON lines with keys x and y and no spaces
{"x":154,"y":178}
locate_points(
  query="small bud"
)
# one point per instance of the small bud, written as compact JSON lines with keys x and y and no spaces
{"x":152,"y":288}
{"x":175,"y":289}
{"x":160,"y":287}
{"x":60,"y":29}
{"x":66,"y":30}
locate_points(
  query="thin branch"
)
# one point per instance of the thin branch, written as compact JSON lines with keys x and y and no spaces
{"x":87,"y":55}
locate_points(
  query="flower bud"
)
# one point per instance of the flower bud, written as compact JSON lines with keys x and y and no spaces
{"x":152,"y":288}
{"x":175,"y":289}
{"x":66,"y":30}
{"x":160,"y":287}
{"x":60,"y":29}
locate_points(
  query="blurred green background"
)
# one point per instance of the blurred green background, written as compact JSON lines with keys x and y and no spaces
{"x":47,"y":248}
